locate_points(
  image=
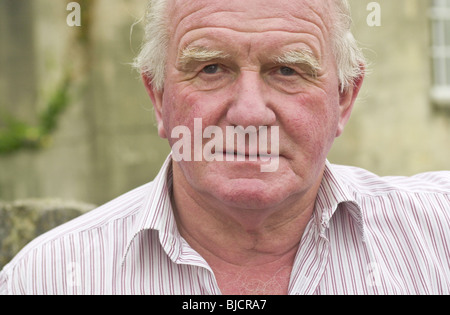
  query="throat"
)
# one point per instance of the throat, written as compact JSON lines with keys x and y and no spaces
{"x":249,"y":282}
{"x":263,"y":275}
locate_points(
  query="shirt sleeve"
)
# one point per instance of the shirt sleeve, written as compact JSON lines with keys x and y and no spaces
{"x":12,"y":279}
{"x":3,"y":283}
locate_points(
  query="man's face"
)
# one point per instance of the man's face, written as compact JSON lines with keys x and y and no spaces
{"x":254,"y":63}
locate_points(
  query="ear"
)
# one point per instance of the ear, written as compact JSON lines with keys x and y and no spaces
{"x":156,"y":97}
{"x":347,"y":100}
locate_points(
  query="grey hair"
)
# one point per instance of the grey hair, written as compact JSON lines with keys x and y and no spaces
{"x":349,"y":57}
{"x":151,"y":60}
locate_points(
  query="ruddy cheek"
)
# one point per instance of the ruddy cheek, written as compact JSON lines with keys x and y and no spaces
{"x":311,"y":122}
{"x":210,"y":106}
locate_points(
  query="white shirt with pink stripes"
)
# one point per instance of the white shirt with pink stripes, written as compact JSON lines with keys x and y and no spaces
{"x":368,"y":235}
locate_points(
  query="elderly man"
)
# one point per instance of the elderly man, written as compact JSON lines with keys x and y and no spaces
{"x":213,"y":221}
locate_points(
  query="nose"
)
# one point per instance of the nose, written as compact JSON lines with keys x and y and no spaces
{"x":249,"y":105}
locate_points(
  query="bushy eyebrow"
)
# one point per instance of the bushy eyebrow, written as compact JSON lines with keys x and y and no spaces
{"x":199,"y":54}
{"x":296,"y":57}
{"x":299,"y":57}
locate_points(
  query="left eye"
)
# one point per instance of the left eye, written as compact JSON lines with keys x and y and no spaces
{"x":286,"y":71}
{"x":211,"y":69}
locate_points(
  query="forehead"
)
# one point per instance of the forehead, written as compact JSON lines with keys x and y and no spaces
{"x":253,"y":8}
{"x":312,"y":17}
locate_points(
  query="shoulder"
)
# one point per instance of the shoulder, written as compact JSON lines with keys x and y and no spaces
{"x":367,"y":183}
{"x":118,"y":209}
{"x":406,"y":224}
{"x":79,"y":231}
{"x":420,"y":202}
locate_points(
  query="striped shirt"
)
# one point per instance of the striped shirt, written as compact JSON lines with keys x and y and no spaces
{"x":367,"y":235}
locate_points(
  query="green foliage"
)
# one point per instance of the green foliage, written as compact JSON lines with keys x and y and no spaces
{"x":16,"y":135}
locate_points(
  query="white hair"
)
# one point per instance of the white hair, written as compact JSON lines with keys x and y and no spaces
{"x":349,"y":57}
{"x":151,"y":60}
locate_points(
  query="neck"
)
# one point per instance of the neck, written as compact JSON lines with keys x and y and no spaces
{"x":251,"y":251}
{"x":237,"y":237}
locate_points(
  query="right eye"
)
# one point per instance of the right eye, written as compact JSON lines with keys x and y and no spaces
{"x":211,"y":69}
{"x":286,"y":71}
{"x":212,"y":77}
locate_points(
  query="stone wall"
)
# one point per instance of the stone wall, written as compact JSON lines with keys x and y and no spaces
{"x":22,"y":221}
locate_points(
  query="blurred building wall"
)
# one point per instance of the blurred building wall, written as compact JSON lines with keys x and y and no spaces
{"x":395,"y":128}
{"x":106,"y":142}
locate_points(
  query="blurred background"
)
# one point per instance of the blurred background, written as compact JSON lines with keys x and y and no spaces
{"x":77,"y":124}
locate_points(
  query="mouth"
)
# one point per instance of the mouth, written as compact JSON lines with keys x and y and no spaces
{"x":267,"y":163}
{"x":248,"y":156}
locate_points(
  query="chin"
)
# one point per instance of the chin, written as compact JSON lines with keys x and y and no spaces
{"x":243,"y":185}
{"x":251,"y":194}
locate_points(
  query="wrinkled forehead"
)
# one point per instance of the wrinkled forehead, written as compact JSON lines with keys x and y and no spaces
{"x":253,"y":15}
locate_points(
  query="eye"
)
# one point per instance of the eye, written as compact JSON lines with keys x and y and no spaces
{"x":286,"y":71}
{"x":211,"y":69}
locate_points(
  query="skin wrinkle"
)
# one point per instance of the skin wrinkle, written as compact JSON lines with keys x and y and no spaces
{"x":313,"y":63}
{"x":228,"y":227}
{"x":286,"y":26}
{"x":297,"y":57}
{"x":268,"y":32}
{"x":244,"y":262}
{"x":251,"y":286}
{"x":300,"y":58}
{"x":350,"y":63}
{"x":231,"y":213}
{"x":312,"y":22}
{"x":190,"y":57}
{"x":316,"y":52}
{"x":199,"y":54}
{"x":283,"y":17}
{"x":243,"y":69}
{"x":307,"y":36}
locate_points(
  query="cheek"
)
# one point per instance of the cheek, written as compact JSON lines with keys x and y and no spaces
{"x":189,"y":104}
{"x":183,"y":105}
{"x":312,"y":122}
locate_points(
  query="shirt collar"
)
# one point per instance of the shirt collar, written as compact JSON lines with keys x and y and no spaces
{"x":335,"y":193}
{"x":157,"y":214}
